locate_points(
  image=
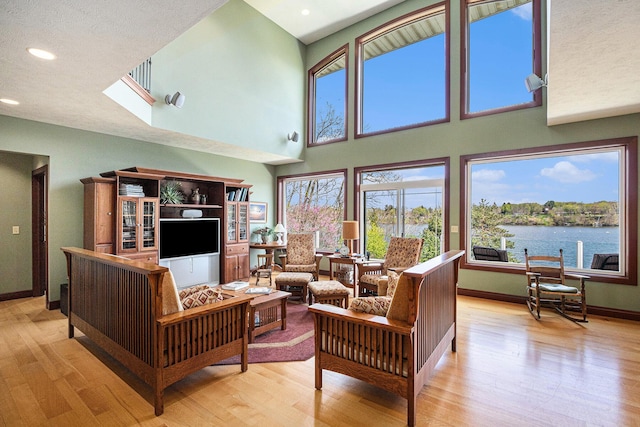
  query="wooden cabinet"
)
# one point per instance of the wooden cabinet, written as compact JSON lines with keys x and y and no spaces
{"x":236,"y":263}
{"x":99,"y":214}
{"x":137,"y":225}
{"x":123,"y":209}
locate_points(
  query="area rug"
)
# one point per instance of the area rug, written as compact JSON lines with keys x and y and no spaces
{"x":293,"y":344}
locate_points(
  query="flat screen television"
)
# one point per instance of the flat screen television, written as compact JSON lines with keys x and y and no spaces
{"x":182,"y":237}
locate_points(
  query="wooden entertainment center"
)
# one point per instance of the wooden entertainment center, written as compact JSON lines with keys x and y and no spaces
{"x":122,"y":210}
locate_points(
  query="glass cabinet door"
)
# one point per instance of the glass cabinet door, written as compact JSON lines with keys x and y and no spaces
{"x":149,"y":224}
{"x":129,"y":224}
{"x":231,"y":222}
{"x":243,"y":222}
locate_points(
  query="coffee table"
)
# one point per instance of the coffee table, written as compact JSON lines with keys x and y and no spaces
{"x":267,"y":312}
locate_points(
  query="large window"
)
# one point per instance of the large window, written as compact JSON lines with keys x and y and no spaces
{"x":403,"y":77}
{"x":500,"y":47}
{"x":314,"y":204}
{"x":581,"y":198}
{"x":328,"y":99}
{"x":406,"y":200}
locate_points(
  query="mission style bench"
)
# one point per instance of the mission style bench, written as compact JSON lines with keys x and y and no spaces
{"x":397,"y":352}
{"x":118,"y":304}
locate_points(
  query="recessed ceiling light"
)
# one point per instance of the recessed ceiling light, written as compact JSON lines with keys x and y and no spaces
{"x":42,"y":54}
{"x":9,"y":101}
{"x":305,"y":12}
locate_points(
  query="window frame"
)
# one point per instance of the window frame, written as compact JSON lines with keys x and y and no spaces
{"x":464,"y":61}
{"x":446,"y":208}
{"x":280,"y":196}
{"x":311,"y":96}
{"x":629,"y":186}
{"x":388,"y":27}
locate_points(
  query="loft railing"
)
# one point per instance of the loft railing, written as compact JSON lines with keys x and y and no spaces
{"x":142,"y":75}
{"x":139,"y":79}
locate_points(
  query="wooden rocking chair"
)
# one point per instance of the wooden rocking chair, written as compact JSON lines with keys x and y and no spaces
{"x":546,"y":286}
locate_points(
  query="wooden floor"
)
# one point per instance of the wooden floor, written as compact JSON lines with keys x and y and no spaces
{"x":510,"y":370}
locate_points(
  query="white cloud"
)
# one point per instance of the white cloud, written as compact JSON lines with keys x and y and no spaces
{"x":567,"y":173}
{"x":488,"y":175}
{"x":525,"y":12}
{"x":608,"y":157}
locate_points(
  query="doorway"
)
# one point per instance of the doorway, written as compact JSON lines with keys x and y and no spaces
{"x":39,"y":239}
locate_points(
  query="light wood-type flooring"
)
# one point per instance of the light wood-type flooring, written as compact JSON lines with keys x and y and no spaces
{"x":509,"y":370}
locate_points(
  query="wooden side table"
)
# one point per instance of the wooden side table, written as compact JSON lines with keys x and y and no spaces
{"x":340,"y":260}
{"x":268,"y":312}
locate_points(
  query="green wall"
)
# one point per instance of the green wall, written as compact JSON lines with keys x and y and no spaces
{"x":243,"y":78}
{"x":254,"y":97}
{"x":513,"y":130}
{"x":15,"y":249}
{"x":75,"y":154}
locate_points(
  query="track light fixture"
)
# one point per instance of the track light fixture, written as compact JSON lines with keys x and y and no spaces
{"x":177,"y":99}
{"x":293,"y":136}
{"x":533,"y":82}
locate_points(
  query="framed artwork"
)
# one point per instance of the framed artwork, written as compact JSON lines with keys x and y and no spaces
{"x":258,"y":212}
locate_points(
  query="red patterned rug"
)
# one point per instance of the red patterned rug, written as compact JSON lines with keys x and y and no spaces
{"x":293,"y":344}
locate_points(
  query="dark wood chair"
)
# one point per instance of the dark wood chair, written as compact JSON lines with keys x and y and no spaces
{"x":605,"y":262}
{"x":546,"y":287}
{"x":483,"y":253}
{"x":301,"y":256}
{"x":403,"y":252}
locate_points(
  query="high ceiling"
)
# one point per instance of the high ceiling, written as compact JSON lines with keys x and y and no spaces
{"x":98,"y":42}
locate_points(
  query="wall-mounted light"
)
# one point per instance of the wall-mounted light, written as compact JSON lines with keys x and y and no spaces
{"x":293,"y":136}
{"x":177,"y":99}
{"x":533,"y":82}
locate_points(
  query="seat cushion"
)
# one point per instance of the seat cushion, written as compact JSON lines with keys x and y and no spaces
{"x":372,"y":305}
{"x":550,"y":287}
{"x":293,"y":278}
{"x":380,"y":281}
{"x":328,"y":287}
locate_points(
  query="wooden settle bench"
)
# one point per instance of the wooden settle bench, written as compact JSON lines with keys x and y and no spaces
{"x":117,"y":303}
{"x":397,"y":354}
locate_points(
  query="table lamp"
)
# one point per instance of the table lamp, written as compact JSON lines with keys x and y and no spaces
{"x":279,"y":230}
{"x":350,"y":233}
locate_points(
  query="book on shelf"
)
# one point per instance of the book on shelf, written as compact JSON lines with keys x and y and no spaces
{"x":258,"y":290}
{"x":235,"y":286}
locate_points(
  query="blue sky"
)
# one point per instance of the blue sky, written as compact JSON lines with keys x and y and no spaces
{"x":581,"y":178}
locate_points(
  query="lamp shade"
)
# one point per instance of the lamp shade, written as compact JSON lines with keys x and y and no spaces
{"x":350,"y":230}
{"x":279,"y":228}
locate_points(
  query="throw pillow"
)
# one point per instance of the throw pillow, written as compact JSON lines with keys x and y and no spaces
{"x":199,"y":295}
{"x":371,"y":305}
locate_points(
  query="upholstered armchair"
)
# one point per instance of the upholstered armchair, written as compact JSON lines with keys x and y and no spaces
{"x":301,"y":254}
{"x":403,"y":252}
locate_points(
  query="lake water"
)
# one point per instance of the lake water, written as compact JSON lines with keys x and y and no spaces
{"x":540,"y":240}
{"x":548,"y":240}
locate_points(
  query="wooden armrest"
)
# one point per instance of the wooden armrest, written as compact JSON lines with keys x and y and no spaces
{"x":577,"y":276}
{"x":380,"y":322}
{"x":369,"y":267}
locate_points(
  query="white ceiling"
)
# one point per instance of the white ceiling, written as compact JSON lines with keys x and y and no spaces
{"x":97,"y":42}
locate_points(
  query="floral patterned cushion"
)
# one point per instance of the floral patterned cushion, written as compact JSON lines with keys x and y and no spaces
{"x":403,"y":252}
{"x":301,"y":249}
{"x":198,"y":295}
{"x":372,"y":305}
